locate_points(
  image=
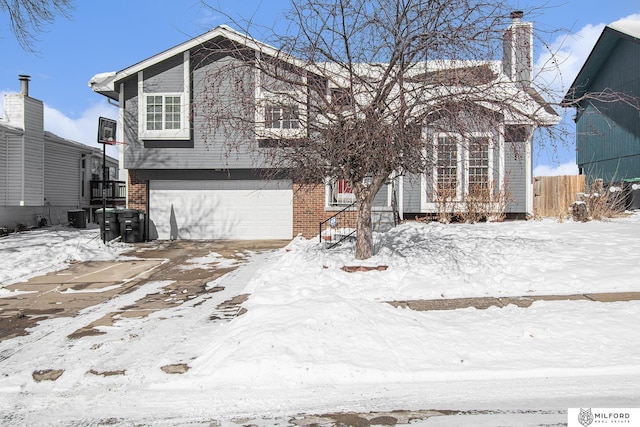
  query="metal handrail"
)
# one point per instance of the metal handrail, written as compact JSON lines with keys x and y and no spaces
{"x":334,"y":219}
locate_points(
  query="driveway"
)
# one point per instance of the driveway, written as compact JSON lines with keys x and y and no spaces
{"x":185,"y":266}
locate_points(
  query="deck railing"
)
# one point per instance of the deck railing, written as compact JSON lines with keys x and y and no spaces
{"x":116,"y":191}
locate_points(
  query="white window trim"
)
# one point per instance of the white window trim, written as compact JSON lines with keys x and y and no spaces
{"x":500,"y":182}
{"x":329,"y":205}
{"x":459,"y":171}
{"x":184,"y":133}
{"x":430,"y":204}
{"x":329,"y":184}
{"x":264,"y":98}
{"x":489,"y":159}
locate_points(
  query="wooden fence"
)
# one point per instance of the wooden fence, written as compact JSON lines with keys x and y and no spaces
{"x":554,"y":194}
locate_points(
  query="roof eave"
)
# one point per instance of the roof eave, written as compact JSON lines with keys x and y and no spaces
{"x":220,"y":31}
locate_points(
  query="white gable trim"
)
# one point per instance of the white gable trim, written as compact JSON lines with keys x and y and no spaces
{"x":220,"y":31}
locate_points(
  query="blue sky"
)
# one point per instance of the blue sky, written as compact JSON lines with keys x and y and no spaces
{"x":109,"y":36}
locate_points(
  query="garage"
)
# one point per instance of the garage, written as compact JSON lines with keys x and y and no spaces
{"x":221,"y":209}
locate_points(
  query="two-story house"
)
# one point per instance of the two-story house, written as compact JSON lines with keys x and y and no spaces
{"x":193,"y":187}
{"x":605,"y":94}
{"x":44,"y":176}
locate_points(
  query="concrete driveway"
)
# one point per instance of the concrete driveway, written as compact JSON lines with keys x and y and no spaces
{"x":65,"y":293}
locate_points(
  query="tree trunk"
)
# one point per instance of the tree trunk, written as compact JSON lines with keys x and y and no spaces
{"x":364,"y":233}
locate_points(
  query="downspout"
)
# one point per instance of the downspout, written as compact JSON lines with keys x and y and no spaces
{"x":6,"y":168}
{"x":22,"y":169}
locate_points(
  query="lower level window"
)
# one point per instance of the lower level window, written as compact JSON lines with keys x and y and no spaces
{"x":462,"y":166}
{"x":341,"y":193}
{"x":478,"y":165}
{"x":447,"y":166}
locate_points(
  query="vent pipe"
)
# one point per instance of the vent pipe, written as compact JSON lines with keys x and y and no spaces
{"x":24,"y":84}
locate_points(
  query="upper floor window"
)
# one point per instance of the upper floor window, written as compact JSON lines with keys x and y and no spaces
{"x":164,"y":116}
{"x":163,"y":112}
{"x":163,"y":105}
{"x":282,"y":117}
{"x":281,"y":107}
{"x":341,"y":97}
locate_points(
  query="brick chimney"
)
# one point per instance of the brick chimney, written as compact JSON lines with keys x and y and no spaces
{"x":517,"y":50}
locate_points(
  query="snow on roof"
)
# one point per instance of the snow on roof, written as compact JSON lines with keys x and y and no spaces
{"x":629,"y":25}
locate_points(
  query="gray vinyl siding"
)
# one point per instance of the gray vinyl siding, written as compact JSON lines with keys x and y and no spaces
{"x":381,"y":198}
{"x":495,"y":166}
{"x":24,"y":152}
{"x":62,"y":174}
{"x":14,"y":170}
{"x":412,"y":193}
{"x":167,"y":76}
{"x":4,"y":158}
{"x":230,"y":145}
{"x":33,"y":194}
{"x":134,"y":154}
{"x":515,"y":177}
{"x":40,"y":173}
{"x":227,"y":146}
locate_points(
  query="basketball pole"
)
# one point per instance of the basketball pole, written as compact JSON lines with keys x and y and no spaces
{"x":106,"y":133}
{"x":103,"y":228}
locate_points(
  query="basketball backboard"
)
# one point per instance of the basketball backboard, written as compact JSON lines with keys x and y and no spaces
{"x":106,"y":131}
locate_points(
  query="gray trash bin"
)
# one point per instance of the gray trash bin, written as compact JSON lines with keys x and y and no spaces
{"x":77,"y":218}
{"x":131,"y":225}
{"x":633,"y":193}
{"x":111,"y":229}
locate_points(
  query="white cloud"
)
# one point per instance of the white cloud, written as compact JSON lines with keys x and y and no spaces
{"x":2,"y":94}
{"x":569,"y":168}
{"x":629,"y":25}
{"x":560,"y":62}
{"x":83,"y":129}
{"x":558,"y":65}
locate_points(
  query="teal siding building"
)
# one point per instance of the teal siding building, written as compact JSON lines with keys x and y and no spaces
{"x":606,"y":95}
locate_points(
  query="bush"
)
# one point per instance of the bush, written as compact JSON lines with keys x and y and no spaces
{"x":601,"y":203}
{"x":479,"y":204}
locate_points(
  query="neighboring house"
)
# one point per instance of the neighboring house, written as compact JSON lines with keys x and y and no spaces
{"x":606,"y":94}
{"x":191,"y":187}
{"x":44,"y":176}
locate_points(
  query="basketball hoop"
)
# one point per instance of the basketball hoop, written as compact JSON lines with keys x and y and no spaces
{"x":111,"y":141}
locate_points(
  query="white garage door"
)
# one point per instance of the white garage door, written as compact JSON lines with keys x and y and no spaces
{"x":234,"y":209}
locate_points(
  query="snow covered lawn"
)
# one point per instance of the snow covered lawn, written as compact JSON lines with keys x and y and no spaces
{"x":316,"y":338}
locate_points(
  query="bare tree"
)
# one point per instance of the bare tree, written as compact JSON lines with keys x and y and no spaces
{"x":360,"y":89}
{"x":29,"y":17}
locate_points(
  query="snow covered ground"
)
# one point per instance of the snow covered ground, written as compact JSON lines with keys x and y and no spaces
{"x":316,"y":339}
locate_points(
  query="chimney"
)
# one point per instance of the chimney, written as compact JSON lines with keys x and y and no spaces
{"x":517,"y":15}
{"x":517,"y":50}
{"x":24,"y":84}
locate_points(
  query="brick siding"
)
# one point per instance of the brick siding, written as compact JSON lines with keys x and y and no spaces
{"x":309,"y":210}
{"x":137,"y":197}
